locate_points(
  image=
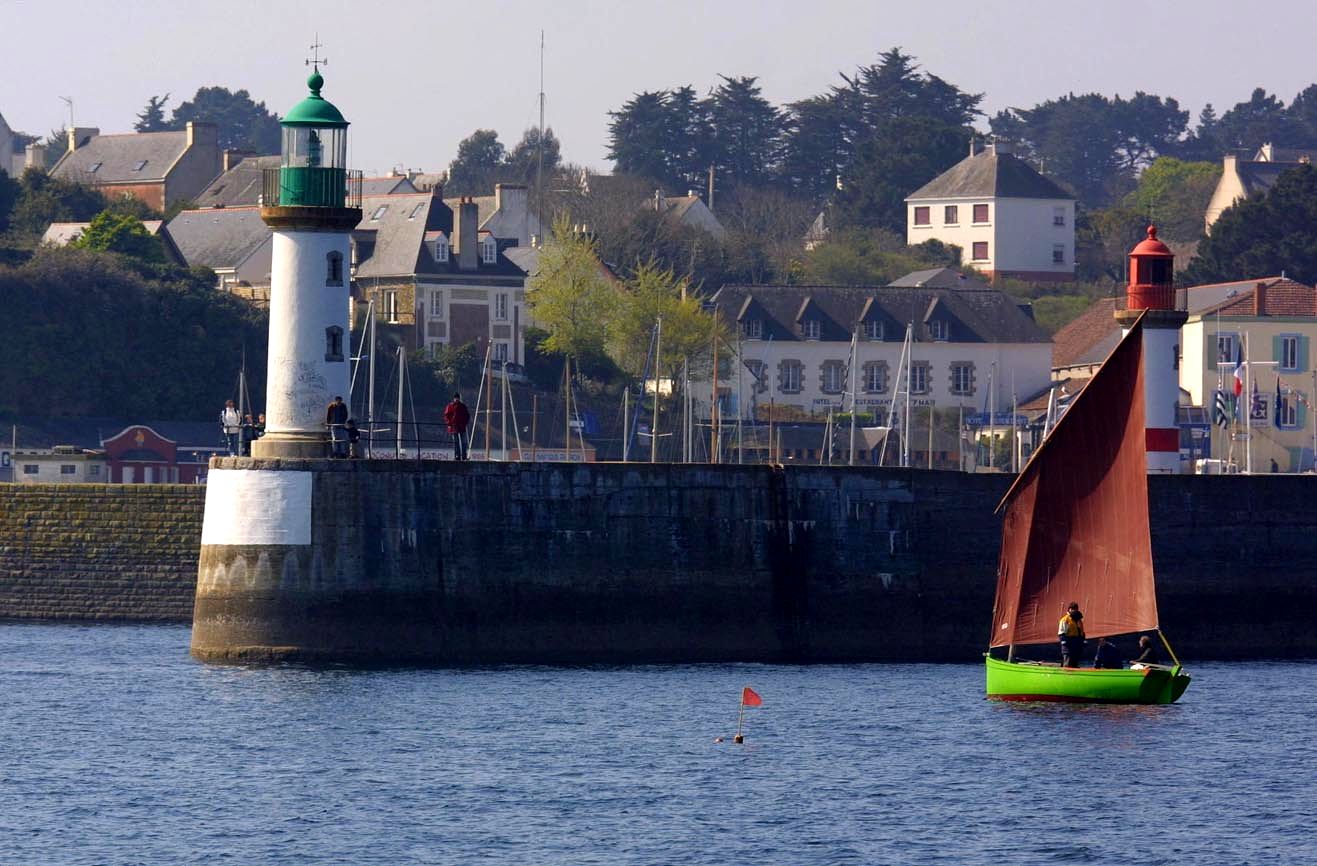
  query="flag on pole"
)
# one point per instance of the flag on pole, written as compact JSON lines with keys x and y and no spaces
{"x":1239,"y":369}
{"x":1222,"y":410}
{"x":751,"y":698}
{"x":1256,"y":408}
{"x":1276,"y":409}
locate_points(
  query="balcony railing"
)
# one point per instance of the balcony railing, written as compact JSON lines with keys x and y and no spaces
{"x":1161,"y":299}
{"x":301,"y":186}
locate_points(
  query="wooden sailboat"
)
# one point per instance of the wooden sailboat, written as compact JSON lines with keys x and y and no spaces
{"x":1076,"y":529}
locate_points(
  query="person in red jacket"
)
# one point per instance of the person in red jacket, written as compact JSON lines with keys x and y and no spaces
{"x":457,"y":416}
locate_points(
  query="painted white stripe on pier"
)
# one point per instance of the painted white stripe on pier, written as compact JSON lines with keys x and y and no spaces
{"x":257,"y":506}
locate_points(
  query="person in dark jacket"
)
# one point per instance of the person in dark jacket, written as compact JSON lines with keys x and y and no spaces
{"x":336,"y":419}
{"x":457,"y":417}
{"x":354,"y":439}
{"x":1148,"y":654}
{"x":1107,"y":656}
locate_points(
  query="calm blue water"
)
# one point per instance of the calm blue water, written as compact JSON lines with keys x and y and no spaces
{"x":115,"y":748}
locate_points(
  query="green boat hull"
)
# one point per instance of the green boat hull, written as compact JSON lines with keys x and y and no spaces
{"x":1015,"y":681}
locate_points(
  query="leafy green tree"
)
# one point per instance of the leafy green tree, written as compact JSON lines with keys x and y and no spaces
{"x":1174,"y":195}
{"x":689,"y":139}
{"x":747,"y":132}
{"x":43,"y":200}
{"x":119,"y":233}
{"x":650,"y":294}
{"x":479,"y":162}
{"x":639,"y":135}
{"x":817,"y":148}
{"x":570,"y":295}
{"x":886,"y":169}
{"x":242,"y":124}
{"x":152,"y":117}
{"x":1249,"y":125}
{"x":10,"y":190}
{"x":871,"y":257}
{"x":167,"y":345}
{"x":1302,"y":117}
{"x":1263,"y":236}
{"x":523,"y":162}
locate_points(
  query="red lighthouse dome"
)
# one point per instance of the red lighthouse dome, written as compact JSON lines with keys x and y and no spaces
{"x":1152,"y":273}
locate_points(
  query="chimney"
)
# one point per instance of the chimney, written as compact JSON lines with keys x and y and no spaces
{"x":1260,"y":300}
{"x":466,"y":232}
{"x":78,"y":136}
{"x":35,"y":156}
{"x":199,"y":133}
{"x":511,"y":196}
{"x":232,"y":157}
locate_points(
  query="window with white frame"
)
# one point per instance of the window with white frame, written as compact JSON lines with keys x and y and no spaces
{"x":1058,"y":216}
{"x":31,"y":469}
{"x":68,"y":469}
{"x":875,"y":377}
{"x":489,"y":251}
{"x":501,"y":352}
{"x":753,"y":329}
{"x":436,"y":303}
{"x":810,"y":329}
{"x":833,"y":379}
{"x":962,"y":378}
{"x":1058,"y":254}
{"x":1225,"y":348}
{"x":939,"y":330}
{"x":789,"y":376}
{"x":922,"y":217}
{"x":951,"y":215}
{"x":919,"y":377}
{"x":1289,"y":352}
{"x":873,"y":329}
{"x":501,"y":306}
{"x":93,"y":471}
{"x":441,"y":250}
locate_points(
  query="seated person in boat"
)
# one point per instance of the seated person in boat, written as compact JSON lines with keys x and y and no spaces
{"x":1148,"y":654}
{"x":1071,"y":633}
{"x":1106,"y":655}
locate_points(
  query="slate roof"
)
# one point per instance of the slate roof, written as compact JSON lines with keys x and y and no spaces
{"x":396,"y":226}
{"x":973,"y":315}
{"x":939,"y":278}
{"x":219,"y":237}
{"x":240,"y":186}
{"x":1258,"y":177}
{"x":114,"y":157}
{"x":990,"y":175}
{"x":390,"y":185}
{"x":1088,"y":338}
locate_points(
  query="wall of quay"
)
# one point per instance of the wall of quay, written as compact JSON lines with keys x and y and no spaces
{"x":488,"y":563}
{"x":99,"y":551}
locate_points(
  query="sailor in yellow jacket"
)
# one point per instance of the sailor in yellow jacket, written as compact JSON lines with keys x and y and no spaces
{"x":1071,"y":633}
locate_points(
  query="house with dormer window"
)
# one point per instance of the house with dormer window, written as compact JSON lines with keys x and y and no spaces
{"x":156,"y":168}
{"x":1005,"y":217}
{"x":966,"y":338}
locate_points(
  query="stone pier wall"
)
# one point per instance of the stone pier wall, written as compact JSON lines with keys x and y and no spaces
{"x":99,"y":551}
{"x":610,"y":562}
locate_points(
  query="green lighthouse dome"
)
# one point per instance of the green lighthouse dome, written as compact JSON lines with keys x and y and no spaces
{"x":315,"y":110}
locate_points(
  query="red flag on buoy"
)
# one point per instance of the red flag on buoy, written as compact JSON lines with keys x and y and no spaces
{"x":750,"y":698}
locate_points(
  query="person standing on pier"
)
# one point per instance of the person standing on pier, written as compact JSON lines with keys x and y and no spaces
{"x":336,"y":419}
{"x":457,"y":417}
{"x":231,"y":425}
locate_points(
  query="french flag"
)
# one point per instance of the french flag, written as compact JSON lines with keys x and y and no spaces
{"x":1239,"y":370}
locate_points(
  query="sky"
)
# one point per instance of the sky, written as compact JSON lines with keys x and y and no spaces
{"x":416,"y":77}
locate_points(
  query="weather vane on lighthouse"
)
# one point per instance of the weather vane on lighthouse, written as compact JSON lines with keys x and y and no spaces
{"x":315,"y":59}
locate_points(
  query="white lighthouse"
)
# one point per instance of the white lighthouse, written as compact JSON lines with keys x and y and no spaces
{"x":312,"y":202}
{"x":1151,"y":293}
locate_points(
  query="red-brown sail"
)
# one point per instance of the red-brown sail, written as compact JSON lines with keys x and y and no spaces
{"x":1076,"y":523}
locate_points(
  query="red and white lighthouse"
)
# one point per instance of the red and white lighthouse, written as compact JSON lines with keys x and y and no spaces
{"x":1151,"y":293}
